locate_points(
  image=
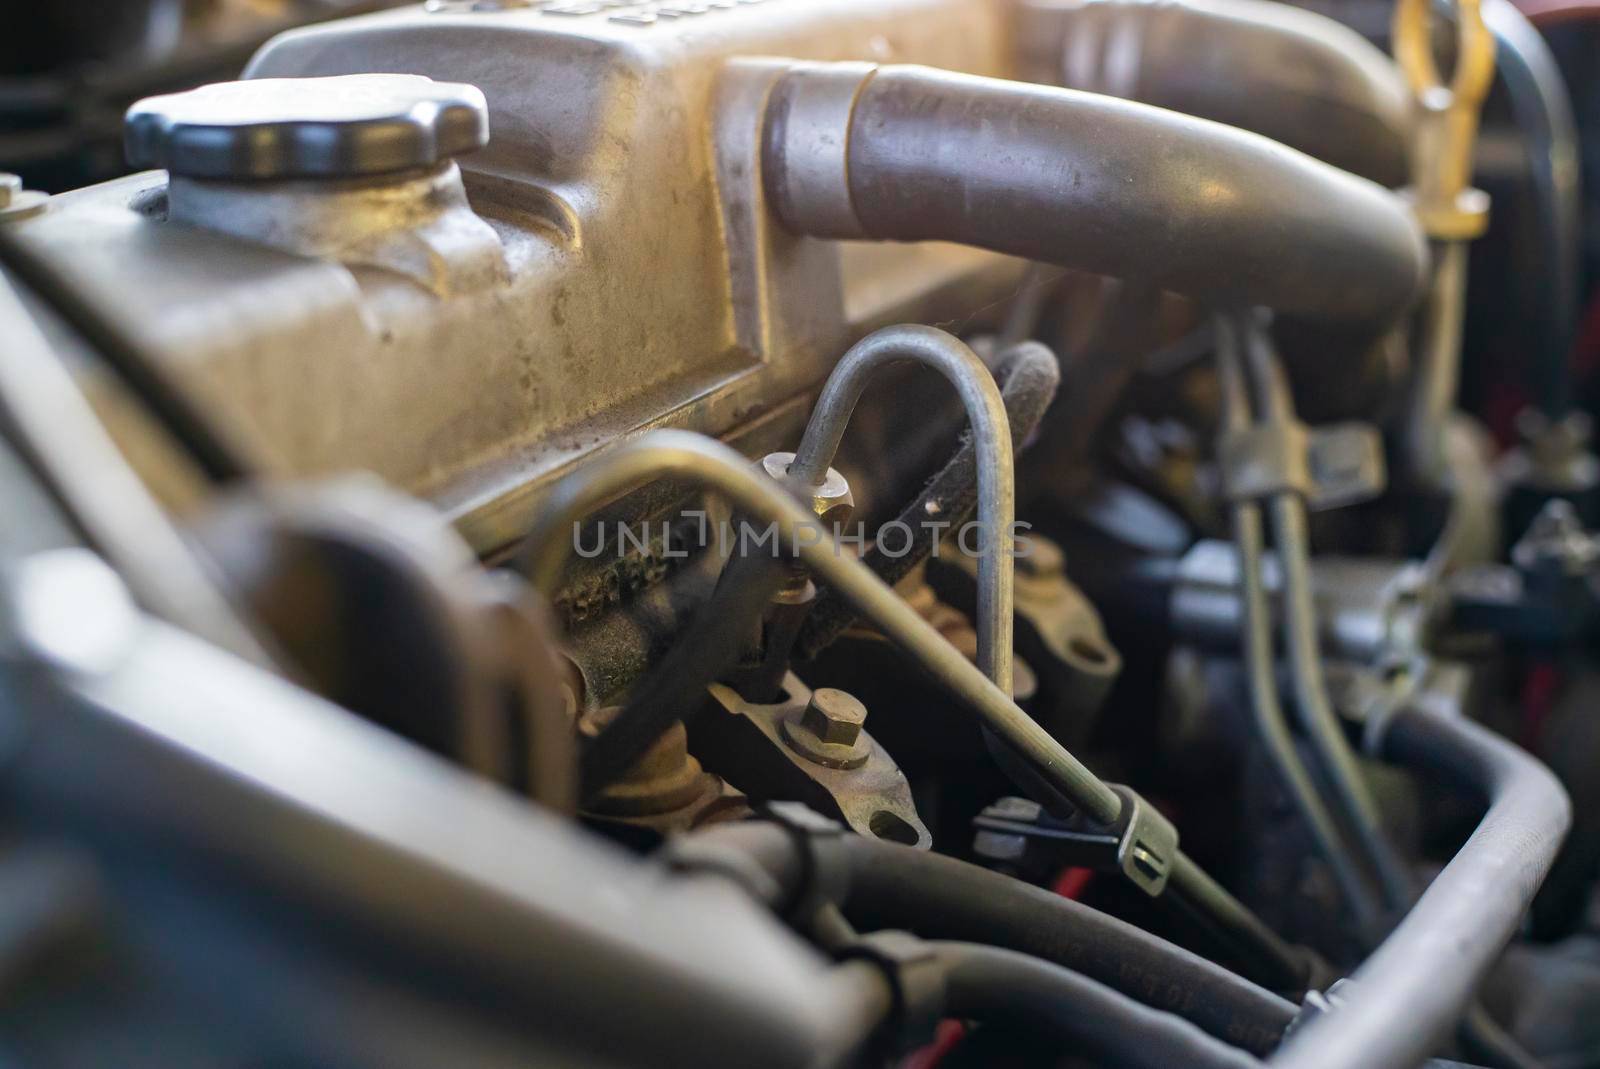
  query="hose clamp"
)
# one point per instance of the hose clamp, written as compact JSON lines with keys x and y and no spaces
{"x":690,"y":856}
{"x":1320,"y":1004}
{"x":824,"y":876}
{"x":1141,"y":843}
{"x":916,"y":978}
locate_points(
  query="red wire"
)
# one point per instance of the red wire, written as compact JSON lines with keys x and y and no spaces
{"x":1072,"y":883}
{"x":1539,"y":690}
{"x":949,"y":1034}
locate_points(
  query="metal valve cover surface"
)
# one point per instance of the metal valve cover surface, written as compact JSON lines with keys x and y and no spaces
{"x":638,"y":279}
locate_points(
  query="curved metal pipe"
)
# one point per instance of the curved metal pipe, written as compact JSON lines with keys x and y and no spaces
{"x":1298,"y":77}
{"x":991,"y":436}
{"x":1416,"y":986}
{"x":1301,"y":640}
{"x":1271,"y":725}
{"x":708,"y":463}
{"x":1087,"y":182}
{"x":1436,"y":376}
{"x":1028,"y":374}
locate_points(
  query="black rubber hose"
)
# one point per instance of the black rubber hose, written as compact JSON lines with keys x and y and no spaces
{"x":1543,"y":113}
{"x":1238,"y":934}
{"x":1415,"y":988}
{"x":886,"y":885}
{"x":214,"y":453}
{"x":943,"y":898}
{"x":1028,"y":375}
{"x":1000,"y":986}
{"x":1092,"y":183}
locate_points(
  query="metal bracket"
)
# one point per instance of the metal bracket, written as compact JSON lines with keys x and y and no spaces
{"x":754,"y":744}
{"x":1330,"y":467}
{"x":1141,"y":844}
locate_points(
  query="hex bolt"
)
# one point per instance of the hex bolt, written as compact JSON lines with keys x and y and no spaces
{"x":829,"y":731}
{"x":834,"y":717}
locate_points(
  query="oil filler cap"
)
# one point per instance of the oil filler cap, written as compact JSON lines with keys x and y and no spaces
{"x":343,"y":127}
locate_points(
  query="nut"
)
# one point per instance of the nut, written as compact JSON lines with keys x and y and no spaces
{"x":832,"y":502}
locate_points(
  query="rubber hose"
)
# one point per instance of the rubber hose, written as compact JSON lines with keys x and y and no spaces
{"x":885,"y":885}
{"x":1086,"y":1018}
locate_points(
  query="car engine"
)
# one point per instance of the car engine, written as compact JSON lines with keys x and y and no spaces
{"x":807,"y":533}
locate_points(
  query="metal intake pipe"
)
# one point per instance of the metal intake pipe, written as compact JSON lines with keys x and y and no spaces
{"x":1087,"y":182}
{"x":1286,"y":73}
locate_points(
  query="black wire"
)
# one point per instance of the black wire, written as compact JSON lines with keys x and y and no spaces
{"x":676,"y":688}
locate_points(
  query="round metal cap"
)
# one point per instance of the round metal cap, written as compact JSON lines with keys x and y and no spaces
{"x":344,"y":127}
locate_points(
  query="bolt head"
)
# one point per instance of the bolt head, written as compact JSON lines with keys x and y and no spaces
{"x":834,"y":717}
{"x":10,"y":186}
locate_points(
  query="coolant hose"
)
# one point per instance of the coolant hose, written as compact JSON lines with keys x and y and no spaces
{"x":885,"y":885}
{"x":1089,"y":182}
{"x":1415,"y":988}
{"x":998,"y":986}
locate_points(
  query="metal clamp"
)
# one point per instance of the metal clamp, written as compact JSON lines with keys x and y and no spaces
{"x":916,"y":977}
{"x":1330,"y":466}
{"x":1141,"y":844}
{"x":823,"y":877}
{"x":691,"y":855}
{"x":1320,"y":1004}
